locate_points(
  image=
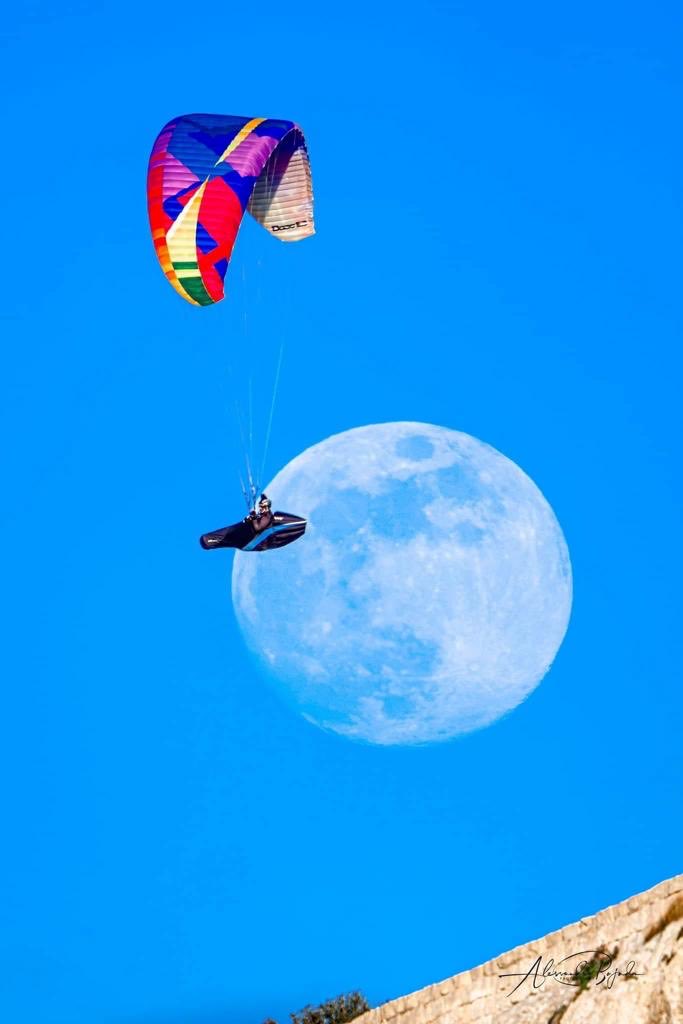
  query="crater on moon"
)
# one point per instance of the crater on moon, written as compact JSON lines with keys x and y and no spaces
{"x":428,"y":597}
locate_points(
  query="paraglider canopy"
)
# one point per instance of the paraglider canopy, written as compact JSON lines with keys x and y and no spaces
{"x":205,"y":171}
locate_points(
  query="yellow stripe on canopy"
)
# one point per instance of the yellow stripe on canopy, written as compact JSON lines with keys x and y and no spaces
{"x":182,"y":234}
{"x":241,"y":136}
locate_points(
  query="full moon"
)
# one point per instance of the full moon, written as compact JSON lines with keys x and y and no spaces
{"x":428,"y":597}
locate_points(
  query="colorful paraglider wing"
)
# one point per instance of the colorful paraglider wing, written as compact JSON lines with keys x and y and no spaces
{"x":204,"y":172}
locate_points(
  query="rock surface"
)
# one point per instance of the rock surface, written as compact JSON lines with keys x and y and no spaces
{"x":634,"y":974}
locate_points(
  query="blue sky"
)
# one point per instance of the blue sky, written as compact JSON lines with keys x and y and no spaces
{"x":498,"y":251}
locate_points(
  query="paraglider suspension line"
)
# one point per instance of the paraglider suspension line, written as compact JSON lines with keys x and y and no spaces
{"x":276,"y":385}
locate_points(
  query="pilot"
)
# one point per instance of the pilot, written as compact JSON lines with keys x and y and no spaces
{"x":262,"y":515}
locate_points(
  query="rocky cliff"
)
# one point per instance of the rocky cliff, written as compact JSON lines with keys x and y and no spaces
{"x":624,"y":965}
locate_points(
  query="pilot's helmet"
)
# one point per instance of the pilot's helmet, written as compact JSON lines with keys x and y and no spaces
{"x":264,"y":504}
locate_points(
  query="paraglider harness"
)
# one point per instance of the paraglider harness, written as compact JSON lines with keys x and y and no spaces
{"x":260,"y":530}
